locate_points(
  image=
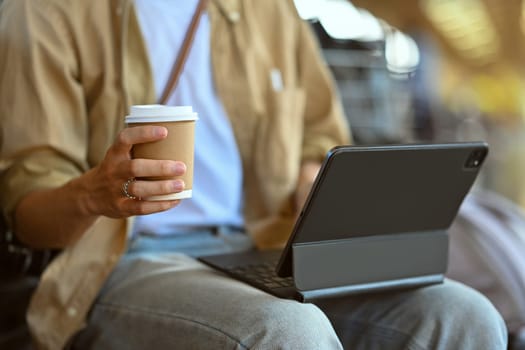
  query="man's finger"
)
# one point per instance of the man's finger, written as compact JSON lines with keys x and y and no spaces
{"x":140,"y":134}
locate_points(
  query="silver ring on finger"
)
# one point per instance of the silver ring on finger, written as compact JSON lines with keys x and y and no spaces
{"x":125,"y":188}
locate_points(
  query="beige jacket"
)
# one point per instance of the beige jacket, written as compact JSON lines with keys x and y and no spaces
{"x":69,"y":70}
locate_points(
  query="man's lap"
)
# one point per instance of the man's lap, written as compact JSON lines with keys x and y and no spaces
{"x":176,"y":300}
{"x":171,"y":298}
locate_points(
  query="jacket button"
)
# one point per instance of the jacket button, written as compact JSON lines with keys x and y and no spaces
{"x":234,"y":16}
{"x":71,"y":311}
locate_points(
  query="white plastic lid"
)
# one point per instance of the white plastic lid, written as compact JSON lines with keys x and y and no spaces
{"x":160,"y":113}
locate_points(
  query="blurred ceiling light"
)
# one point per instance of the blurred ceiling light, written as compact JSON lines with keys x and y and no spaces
{"x":308,"y":9}
{"x":373,"y":30}
{"x":401,"y":52}
{"x":466,"y":25}
{"x":341,"y":20}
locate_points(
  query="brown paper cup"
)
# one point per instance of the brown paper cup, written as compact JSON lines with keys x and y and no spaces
{"x":179,"y":145}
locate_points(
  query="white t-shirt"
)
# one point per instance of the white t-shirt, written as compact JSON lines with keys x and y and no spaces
{"x":217,"y":184}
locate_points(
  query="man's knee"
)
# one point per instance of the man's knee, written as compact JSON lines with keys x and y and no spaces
{"x":291,"y":325}
{"x":463,"y":315}
{"x":458,"y":301}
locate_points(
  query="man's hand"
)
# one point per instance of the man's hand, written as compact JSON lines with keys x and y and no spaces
{"x":307,"y":175}
{"x":103,"y":188}
{"x":54,"y":218}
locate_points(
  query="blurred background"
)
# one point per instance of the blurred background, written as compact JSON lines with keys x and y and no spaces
{"x":432,"y":70}
{"x":424,"y":71}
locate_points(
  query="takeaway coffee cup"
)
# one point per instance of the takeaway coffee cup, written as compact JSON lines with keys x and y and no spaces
{"x":178,"y":145}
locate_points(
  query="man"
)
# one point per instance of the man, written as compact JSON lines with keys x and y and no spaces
{"x":268,"y":115}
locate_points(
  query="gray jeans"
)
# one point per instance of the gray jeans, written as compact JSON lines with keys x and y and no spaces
{"x":159,"y":297}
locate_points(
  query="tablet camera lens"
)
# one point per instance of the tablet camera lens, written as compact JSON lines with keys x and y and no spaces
{"x":475,"y":159}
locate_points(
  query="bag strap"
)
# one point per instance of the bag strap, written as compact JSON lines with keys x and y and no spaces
{"x":184,"y":51}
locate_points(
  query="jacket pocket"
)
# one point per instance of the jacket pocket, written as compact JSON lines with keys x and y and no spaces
{"x":279,"y":143}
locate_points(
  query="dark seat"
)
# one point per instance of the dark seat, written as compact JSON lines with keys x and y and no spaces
{"x":14,"y":298}
{"x":15,"y":293}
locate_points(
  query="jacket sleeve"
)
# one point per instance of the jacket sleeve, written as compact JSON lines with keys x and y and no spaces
{"x":43,"y":126}
{"x":325,"y":122}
